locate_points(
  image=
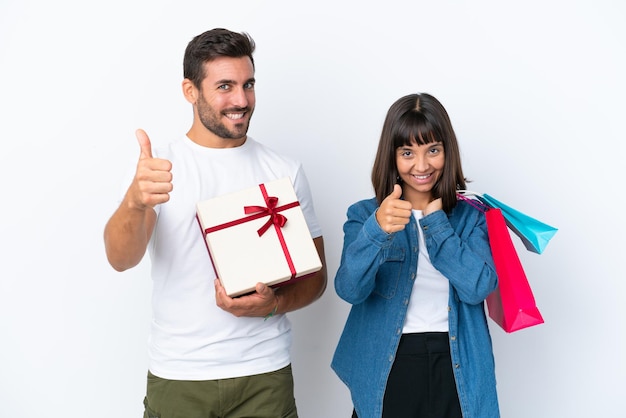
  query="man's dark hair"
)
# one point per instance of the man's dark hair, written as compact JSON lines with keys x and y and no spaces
{"x":213,"y":44}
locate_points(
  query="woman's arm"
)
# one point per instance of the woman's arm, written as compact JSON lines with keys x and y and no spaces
{"x":466,"y":261}
{"x":363,"y":253}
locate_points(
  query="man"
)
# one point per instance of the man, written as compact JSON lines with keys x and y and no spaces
{"x":210,"y":355}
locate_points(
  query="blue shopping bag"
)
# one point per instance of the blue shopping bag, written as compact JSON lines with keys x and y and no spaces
{"x":534,"y":234}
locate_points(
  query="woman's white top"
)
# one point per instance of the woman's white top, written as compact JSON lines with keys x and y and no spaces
{"x":428,"y":306}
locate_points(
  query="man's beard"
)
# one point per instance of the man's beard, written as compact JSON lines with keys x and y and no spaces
{"x":211,"y":120}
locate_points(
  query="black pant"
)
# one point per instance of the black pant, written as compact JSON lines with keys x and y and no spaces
{"x":421,"y":383}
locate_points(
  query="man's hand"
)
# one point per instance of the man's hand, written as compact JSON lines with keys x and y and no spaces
{"x":394,"y":213}
{"x":128,"y":231}
{"x":259,"y":304}
{"x":153,"y":178}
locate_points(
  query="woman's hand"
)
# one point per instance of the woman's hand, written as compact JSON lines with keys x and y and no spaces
{"x":394,"y":213}
{"x":433,"y":206}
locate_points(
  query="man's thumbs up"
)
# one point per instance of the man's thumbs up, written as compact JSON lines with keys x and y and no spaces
{"x":394,"y":213}
{"x":144,"y":144}
{"x":153,"y":178}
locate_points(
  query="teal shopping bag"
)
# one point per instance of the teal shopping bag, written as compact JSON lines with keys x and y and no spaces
{"x":534,"y":234}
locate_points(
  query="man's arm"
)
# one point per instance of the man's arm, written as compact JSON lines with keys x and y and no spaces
{"x":303,"y":292}
{"x":127,"y":233}
{"x":284,"y":299}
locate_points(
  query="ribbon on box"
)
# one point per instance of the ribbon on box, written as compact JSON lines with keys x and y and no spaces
{"x":277,"y":219}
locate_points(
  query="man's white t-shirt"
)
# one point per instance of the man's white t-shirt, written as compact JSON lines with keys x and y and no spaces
{"x":191,"y":338}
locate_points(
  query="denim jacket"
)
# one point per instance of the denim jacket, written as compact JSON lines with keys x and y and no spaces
{"x":376,"y":276}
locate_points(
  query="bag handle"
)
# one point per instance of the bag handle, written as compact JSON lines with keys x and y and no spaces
{"x":469,"y":192}
{"x":477,"y":204}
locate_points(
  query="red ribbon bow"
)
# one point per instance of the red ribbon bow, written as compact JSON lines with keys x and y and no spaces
{"x":275,"y":218}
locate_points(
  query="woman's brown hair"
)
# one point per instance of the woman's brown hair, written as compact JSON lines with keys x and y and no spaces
{"x":421,"y":119}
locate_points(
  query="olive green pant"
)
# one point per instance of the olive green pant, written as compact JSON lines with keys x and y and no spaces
{"x":267,"y":395}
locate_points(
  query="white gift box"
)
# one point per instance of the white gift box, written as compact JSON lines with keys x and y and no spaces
{"x":257,"y":235}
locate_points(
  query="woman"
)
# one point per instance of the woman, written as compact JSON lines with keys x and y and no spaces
{"x":416,"y":266}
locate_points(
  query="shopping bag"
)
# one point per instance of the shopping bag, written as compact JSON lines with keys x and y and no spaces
{"x":534,"y":234}
{"x":512,"y":305}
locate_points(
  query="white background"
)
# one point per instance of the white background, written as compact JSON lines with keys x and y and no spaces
{"x":535,"y":91}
